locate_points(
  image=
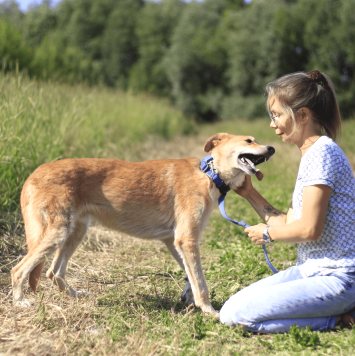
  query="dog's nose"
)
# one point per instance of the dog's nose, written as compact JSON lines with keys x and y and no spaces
{"x":271,"y":149}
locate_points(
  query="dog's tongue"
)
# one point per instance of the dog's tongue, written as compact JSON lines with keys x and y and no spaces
{"x":259,"y":174}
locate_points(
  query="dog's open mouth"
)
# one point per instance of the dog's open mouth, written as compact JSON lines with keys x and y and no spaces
{"x":251,"y":161}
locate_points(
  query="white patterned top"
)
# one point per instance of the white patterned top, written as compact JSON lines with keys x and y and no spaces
{"x":325,"y":163}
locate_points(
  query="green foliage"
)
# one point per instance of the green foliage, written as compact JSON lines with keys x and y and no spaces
{"x":54,"y":59}
{"x":10,"y":11}
{"x":326,"y":36}
{"x":85,"y":22}
{"x":155,"y":24}
{"x":38,"y":21}
{"x":300,"y":339}
{"x":12,"y":48}
{"x":262,"y":43}
{"x":196,"y":62}
{"x":212,"y":58}
{"x":120,"y":47}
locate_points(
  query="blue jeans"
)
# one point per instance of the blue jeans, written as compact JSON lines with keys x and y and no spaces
{"x":273,"y":304}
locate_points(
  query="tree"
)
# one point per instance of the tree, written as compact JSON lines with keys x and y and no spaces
{"x":54,"y":58}
{"x":10,"y":11}
{"x":154,"y":28}
{"x":12,"y":48}
{"x":265,"y":41}
{"x":119,"y":42}
{"x":196,"y":62}
{"x":39,"y":20}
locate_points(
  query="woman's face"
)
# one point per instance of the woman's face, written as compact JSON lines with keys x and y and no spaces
{"x":282,"y":123}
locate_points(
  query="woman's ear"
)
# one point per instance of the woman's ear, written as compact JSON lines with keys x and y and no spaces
{"x":305,"y":115}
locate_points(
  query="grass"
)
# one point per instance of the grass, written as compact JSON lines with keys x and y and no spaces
{"x":134,"y":305}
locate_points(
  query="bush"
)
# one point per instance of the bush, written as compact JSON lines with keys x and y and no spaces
{"x":120,"y":46}
{"x":54,"y":59}
{"x":12,"y":48}
{"x":155,"y":24}
{"x":196,"y":63}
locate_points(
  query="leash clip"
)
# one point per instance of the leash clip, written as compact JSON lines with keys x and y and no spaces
{"x":213,"y":169}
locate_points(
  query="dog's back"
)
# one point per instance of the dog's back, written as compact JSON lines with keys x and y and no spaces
{"x":134,"y":197}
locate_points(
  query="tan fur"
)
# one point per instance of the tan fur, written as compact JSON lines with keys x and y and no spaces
{"x":170,"y":200}
{"x":34,"y":277}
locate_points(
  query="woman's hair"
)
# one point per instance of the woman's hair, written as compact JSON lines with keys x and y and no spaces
{"x":312,"y":90}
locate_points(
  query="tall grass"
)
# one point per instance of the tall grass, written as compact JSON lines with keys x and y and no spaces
{"x":45,"y":121}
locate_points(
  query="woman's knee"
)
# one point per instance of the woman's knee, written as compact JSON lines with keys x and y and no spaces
{"x":234,"y":311}
{"x":226,"y":314}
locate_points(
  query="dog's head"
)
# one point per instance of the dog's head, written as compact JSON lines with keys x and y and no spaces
{"x":235,"y":156}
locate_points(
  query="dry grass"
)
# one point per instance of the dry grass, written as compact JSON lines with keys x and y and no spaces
{"x":55,"y":317}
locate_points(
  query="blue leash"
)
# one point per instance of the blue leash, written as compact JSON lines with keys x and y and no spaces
{"x":244,"y":224}
{"x":206,"y":167}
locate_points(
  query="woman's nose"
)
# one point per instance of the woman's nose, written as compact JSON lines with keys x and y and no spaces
{"x":273,"y":124}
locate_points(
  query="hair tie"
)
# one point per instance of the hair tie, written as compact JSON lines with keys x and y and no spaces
{"x":318,"y":78}
{"x":316,"y":75}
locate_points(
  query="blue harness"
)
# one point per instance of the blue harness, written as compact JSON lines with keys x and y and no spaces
{"x":206,"y":167}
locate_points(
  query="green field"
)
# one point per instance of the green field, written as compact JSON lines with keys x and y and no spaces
{"x":134,"y":304}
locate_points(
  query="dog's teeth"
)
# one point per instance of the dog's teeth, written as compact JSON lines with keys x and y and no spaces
{"x":243,"y":159}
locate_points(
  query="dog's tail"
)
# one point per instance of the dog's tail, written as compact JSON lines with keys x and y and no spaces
{"x":35,"y":275}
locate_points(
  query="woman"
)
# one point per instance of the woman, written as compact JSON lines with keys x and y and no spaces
{"x":320,"y":290}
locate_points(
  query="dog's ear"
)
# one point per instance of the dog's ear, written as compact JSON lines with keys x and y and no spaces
{"x":214,"y":141}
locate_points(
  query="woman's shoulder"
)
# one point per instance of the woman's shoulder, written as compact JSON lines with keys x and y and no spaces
{"x":324,"y":155}
{"x":326,"y":147}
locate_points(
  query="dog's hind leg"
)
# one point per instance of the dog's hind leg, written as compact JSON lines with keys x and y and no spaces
{"x":32,"y":263}
{"x":187,"y":296}
{"x":60,"y":261}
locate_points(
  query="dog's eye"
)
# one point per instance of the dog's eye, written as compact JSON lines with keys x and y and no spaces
{"x":249,"y":141}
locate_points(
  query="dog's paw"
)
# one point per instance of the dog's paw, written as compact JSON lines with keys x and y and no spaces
{"x":187,"y":297}
{"x":82,"y":293}
{"x":22,"y":303}
{"x":77,"y":293}
{"x":209,"y":310}
{"x":215,"y":315}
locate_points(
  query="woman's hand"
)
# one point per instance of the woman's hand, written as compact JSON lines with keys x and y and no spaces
{"x":246,"y":188}
{"x":256,"y":233}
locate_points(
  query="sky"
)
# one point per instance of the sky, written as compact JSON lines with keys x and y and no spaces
{"x":24,"y":3}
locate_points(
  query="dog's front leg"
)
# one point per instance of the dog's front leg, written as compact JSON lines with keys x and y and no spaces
{"x":188,"y":248}
{"x":187,"y":296}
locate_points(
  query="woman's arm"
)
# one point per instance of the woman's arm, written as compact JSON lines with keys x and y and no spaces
{"x":308,"y":228}
{"x":266,"y":211}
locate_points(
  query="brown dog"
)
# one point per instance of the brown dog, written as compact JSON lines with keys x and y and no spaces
{"x":170,"y":200}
